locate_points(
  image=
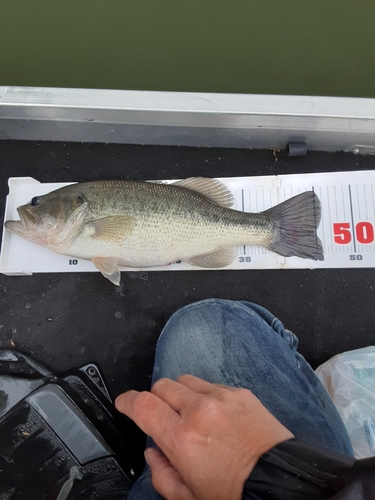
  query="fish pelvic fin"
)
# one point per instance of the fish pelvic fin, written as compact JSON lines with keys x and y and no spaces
{"x":220,"y":258}
{"x":108,"y":267}
{"x":295,"y":227}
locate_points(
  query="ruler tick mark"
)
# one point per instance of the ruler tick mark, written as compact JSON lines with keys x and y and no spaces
{"x":351,"y":213}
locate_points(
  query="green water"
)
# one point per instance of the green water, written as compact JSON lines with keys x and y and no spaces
{"x":311,"y":47}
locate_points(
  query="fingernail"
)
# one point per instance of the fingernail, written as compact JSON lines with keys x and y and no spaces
{"x":146,"y":454}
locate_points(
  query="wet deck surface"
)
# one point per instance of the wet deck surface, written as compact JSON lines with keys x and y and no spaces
{"x":68,"y":320}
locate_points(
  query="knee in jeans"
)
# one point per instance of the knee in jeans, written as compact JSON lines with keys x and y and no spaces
{"x":194,"y":323}
{"x":185,"y":323}
{"x":209,"y":319}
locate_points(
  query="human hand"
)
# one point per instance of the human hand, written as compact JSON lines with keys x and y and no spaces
{"x":210,"y":436}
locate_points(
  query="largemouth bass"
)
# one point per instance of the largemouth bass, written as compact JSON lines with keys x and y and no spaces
{"x":141,"y":224}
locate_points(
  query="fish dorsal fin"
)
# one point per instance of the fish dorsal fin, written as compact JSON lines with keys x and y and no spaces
{"x":220,"y":258}
{"x":212,"y":189}
{"x":113,"y":228}
{"x":108,"y":267}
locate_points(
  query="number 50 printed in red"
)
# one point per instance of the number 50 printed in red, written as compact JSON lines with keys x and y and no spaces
{"x":342,"y":233}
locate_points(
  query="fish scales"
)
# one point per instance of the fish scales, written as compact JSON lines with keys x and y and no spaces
{"x":166,"y":228}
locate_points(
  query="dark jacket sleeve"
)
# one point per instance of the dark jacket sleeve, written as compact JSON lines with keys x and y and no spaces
{"x":296,"y":470}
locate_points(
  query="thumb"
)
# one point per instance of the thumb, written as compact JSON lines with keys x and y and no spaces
{"x":166,"y":479}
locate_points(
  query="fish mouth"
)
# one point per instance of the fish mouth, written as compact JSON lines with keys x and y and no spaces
{"x":28,"y":218}
{"x":28,"y":221}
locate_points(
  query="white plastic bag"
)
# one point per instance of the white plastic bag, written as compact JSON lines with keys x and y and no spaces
{"x":350,"y":381}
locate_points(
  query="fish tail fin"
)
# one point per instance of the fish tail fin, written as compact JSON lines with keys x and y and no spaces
{"x":295,"y":224}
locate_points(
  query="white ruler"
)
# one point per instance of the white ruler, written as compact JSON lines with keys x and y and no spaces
{"x":346,"y":230}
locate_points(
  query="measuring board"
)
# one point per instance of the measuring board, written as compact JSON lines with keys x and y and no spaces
{"x":346,"y":230}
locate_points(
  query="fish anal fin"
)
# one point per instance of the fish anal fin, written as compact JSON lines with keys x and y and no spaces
{"x":213,"y":189}
{"x":108,"y":267}
{"x":112,"y":228}
{"x":220,"y":258}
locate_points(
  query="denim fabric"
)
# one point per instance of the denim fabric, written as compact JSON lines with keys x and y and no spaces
{"x":242,"y":344}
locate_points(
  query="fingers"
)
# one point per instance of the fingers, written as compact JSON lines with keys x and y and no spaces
{"x":181,"y":393}
{"x":196,"y":384}
{"x":229,"y":387}
{"x":202,"y":387}
{"x":155,"y":417}
{"x":157,"y":413}
{"x":175,"y":394}
{"x":165,"y":478}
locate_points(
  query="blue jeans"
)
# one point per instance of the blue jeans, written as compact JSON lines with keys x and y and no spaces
{"x":241,"y":344}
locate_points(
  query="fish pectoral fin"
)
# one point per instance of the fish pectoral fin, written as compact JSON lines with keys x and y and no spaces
{"x":112,"y":228}
{"x":220,"y":258}
{"x":212,"y":189}
{"x":108,"y":267}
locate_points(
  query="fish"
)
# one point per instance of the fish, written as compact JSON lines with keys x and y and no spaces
{"x":118,"y":223}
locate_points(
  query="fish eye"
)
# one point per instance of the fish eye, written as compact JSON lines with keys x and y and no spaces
{"x":35,"y":201}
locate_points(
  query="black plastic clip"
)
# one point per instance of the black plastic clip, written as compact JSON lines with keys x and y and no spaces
{"x":296,"y":149}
